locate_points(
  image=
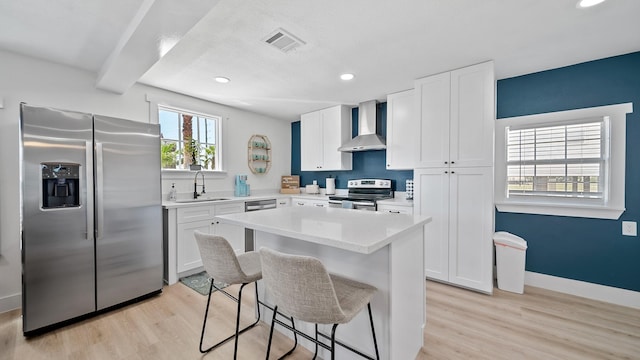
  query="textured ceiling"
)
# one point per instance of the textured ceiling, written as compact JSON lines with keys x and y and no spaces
{"x":386,"y":44}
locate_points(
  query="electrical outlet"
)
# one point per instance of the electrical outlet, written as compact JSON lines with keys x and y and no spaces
{"x":630,"y":228}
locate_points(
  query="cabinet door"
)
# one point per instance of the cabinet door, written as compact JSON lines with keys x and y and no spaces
{"x":311,"y":146}
{"x":187,"y":250}
{"x":433,"y":107}
{"x":431,"y":197}
{"x":402,"y":137}
{"x":472,"y":116}
{"x":233,"y":233}
{"x":471,"y":228}
{"x":336,"y":130}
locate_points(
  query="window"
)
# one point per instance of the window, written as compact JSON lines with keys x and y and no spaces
{"x":566,"y":160}
{"x":568,"y":163}
{"x":189,"y":139}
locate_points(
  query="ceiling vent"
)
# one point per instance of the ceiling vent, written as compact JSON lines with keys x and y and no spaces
{"x":283,"y":40}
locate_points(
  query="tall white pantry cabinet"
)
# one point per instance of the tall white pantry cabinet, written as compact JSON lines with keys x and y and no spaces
{"x":453,"y":177}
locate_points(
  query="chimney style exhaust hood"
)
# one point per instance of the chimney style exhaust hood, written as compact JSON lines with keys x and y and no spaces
{"x":367,"y":138}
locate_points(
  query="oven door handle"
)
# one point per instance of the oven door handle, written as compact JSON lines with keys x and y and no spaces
{"x":363,"y":203}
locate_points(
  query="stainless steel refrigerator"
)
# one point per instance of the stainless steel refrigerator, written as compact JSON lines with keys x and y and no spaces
{"x":91,"y":214}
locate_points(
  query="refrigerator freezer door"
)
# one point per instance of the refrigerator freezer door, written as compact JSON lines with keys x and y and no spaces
{"x":57,"y":242}
{"x":128,"y":210}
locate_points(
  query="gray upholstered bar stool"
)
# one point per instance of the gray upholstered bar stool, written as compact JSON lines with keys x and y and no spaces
{"x":222,"y":264}
{"x":301,"y":287}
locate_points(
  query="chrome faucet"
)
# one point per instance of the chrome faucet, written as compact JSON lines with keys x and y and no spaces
{"x":195,"y":185}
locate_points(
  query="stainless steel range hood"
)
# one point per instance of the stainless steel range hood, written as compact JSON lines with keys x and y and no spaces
{"x":367,"y":138}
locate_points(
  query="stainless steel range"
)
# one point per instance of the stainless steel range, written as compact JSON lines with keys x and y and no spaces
{"x":363,"y":194}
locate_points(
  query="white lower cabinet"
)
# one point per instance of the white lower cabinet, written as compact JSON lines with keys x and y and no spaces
{"x":458,"y":240}
{"x":233,"y":233}
{"x":188,"y":252}
{"x":201,"y":218}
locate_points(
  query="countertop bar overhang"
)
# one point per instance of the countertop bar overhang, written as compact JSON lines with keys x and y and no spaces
{"x":359,"y":231}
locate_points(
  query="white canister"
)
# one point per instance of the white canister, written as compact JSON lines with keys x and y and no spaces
{"x":331,"y":186}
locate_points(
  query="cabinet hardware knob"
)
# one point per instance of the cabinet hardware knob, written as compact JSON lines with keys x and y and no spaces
{"x":453,"y":172}
{"x":446,"y":162}
{"x":453,"y":162}
{"x":446,"y":172}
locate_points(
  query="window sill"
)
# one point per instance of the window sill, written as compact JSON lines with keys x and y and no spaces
{"x":189,"y":174}
{"x":593,"y":212}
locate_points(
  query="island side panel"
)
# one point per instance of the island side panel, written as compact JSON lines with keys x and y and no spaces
{"x":408,"y":302}
{"x":372,"y":269}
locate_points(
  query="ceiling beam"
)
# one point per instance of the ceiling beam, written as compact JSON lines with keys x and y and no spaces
{"x":154,"y":30}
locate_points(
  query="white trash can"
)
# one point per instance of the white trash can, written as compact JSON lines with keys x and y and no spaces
{"x":511,"y":252}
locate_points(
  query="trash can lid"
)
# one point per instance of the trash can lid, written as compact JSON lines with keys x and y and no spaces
{"x":508,"y":239}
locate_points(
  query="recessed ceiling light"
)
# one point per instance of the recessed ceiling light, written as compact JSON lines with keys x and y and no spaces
{"x":222,"y":79}
{"x":346,"y":76}
{"x":589,"y":3}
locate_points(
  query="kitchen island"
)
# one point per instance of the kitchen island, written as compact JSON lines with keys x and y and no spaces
{"x":381,"y":249}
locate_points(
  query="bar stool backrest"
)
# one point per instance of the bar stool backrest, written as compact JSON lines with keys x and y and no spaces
{"x":219,"y":259}
{"x":301,"y":287}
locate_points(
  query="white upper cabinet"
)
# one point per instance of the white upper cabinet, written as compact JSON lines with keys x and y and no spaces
{"x":457,"y":114}
{"x":402,"y":137}
{"x":321,"y":134}
{"x":433,"y":107}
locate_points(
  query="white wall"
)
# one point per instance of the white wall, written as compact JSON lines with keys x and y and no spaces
{"x":36,"y":82}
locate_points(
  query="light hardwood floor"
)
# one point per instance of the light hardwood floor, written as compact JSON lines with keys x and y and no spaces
{"x":461,"y":324}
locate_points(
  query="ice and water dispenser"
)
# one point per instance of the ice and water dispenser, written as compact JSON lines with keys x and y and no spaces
{"x":60,"y":185}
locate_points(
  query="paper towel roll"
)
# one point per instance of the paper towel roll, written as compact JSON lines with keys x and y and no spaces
{"x":331,"y":186}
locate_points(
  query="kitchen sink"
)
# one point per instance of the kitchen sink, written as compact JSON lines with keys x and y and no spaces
{"x":200,"y":200}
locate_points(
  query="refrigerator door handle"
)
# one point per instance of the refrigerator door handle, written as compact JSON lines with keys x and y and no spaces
{"x":89,"y":176}
{"x":99,"y":191}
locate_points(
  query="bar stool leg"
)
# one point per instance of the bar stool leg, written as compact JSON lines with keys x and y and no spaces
{"x":315,"y":354}
{"x":333,"y":341}
{"x":206,"y":313}
{"x":295,"y":340}
{"x":235,"y":345}
{"x":373,"y":332}
{"x":273,"y":323}
{"x":237,"y":332}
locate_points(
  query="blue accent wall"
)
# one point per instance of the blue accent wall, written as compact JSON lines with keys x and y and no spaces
{"x":590,"y":250}
{"x":366,"y":164}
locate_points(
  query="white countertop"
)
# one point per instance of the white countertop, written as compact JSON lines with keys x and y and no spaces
{"x":353,"y":230}
{"x":167,"y":204}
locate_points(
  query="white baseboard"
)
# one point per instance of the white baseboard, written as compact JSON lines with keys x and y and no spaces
{"x":584,"y":289}
{"x":10,"y":302}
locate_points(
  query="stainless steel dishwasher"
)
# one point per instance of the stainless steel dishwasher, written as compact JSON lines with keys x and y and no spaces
{"x":255,"y":205}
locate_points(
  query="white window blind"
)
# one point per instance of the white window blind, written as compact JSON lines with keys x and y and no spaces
{"x":566,"y":160}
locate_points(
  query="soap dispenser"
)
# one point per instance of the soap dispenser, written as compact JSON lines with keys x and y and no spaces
{"x":172,"y":192}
